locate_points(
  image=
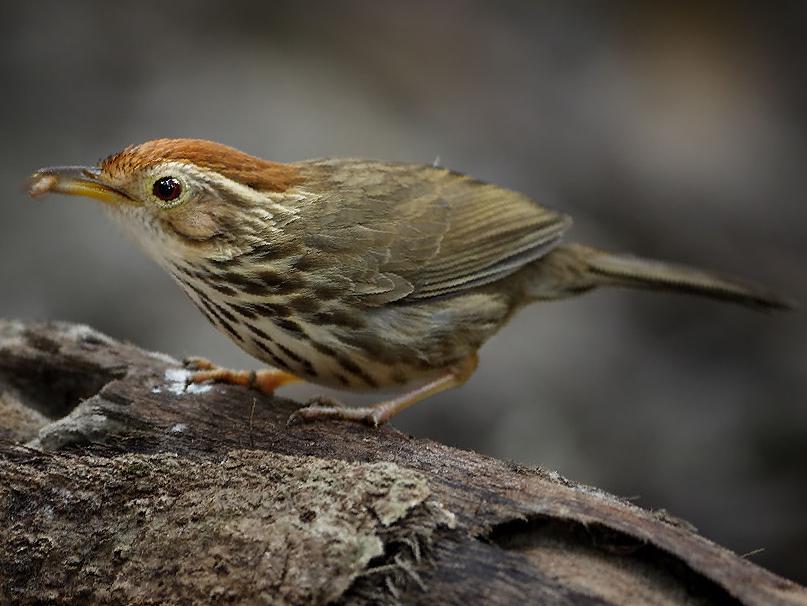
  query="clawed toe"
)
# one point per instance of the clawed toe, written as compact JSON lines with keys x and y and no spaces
{"x":200,"y":375}
{"x":319,"y":407}
{"x":197,"y":363}
{"x":264,"y":381}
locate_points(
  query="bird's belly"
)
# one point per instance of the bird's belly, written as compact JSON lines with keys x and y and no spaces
{"x":317,"y":355}
{"x":311,"y":351}
{"x":332,"y":344}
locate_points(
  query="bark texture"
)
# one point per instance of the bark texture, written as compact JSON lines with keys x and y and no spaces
{"x":120,"y":486}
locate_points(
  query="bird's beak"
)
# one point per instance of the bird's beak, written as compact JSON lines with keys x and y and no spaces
{"x":75,"y":181}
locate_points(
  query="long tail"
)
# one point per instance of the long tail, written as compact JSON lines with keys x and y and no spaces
{"x":572,"y":268}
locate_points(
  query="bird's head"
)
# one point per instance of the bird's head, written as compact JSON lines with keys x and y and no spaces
{"x":183,"y":192}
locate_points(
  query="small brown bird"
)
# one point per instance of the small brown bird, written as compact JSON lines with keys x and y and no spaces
{"x":353,"y":273}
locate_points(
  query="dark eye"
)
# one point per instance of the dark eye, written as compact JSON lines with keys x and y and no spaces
{"x":167,"y":188}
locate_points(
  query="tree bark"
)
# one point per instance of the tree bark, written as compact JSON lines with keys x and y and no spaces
{"x":119,"y":485}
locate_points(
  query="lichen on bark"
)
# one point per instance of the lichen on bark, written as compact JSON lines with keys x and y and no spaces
{"x":247,"y":527}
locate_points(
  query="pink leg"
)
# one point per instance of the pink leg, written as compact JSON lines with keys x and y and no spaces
{"x":380,"y":413}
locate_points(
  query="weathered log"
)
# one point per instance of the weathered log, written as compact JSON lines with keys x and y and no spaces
{"x":119,"y":485}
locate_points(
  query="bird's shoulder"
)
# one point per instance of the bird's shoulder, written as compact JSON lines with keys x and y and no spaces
{"x":414,"y":231}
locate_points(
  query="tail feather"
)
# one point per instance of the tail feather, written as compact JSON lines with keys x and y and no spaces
{"x":591,"y":268}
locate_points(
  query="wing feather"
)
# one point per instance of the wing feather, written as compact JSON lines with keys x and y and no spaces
{"x":409,"y":232}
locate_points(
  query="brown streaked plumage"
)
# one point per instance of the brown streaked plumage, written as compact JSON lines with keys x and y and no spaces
{"x":354,"y":273}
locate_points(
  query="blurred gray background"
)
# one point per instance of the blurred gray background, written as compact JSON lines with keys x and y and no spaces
{"x":675,"y":132}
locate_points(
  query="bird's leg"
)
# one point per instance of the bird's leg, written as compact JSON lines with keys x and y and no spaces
{"x":380,"y":413}
{"x":265,"y":381}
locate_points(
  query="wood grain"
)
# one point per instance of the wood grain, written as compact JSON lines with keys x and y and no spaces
{"x":134,"y":491}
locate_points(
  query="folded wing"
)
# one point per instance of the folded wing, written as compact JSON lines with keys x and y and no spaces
{"x":409,"y":232}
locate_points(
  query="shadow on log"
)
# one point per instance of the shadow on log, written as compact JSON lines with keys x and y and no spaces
{"x":118,"y":485}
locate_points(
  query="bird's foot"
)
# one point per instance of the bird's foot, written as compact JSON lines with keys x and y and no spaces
{"x":320,"y":408}
{"x":265,"y":381}
{"x":378,"y":414}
